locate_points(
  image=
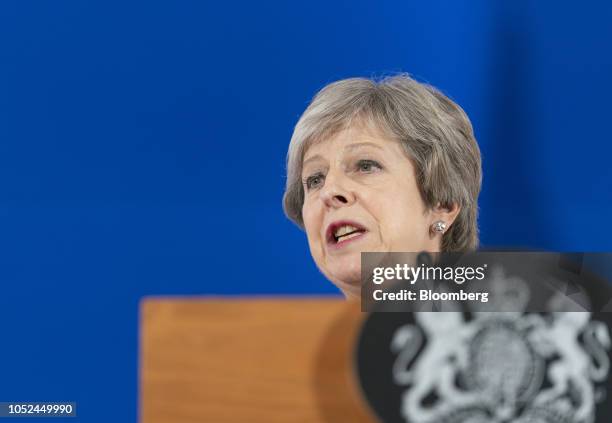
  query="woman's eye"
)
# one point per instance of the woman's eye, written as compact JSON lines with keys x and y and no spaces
{"x":368,"y":166}
{"x":314,"y":181}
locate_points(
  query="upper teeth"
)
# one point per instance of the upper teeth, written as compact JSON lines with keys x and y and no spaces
{"x":343,"y":230}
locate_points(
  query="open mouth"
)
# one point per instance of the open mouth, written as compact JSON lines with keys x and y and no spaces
{"x":340,"y":232}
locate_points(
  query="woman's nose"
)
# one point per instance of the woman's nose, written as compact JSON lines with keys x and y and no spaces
{"x":335,"y":193}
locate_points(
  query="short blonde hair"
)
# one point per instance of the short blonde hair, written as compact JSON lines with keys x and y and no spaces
{"x":435,"y":133}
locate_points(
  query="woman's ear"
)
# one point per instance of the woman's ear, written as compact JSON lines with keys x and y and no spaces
{"x":445,"y":214}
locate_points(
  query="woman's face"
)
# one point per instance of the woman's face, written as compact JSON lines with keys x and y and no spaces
{"x":361,"y":195}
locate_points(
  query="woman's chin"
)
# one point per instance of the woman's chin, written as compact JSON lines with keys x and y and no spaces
{"x":345,"y":275}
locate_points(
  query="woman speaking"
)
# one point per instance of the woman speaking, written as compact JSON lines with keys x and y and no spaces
{"x":380,"y":166}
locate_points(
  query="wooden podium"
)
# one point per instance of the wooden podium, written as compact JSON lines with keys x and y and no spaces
{"x":249,"y":360}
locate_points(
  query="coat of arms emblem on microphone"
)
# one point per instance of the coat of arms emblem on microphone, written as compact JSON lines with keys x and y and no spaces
{"x":497,"y":367}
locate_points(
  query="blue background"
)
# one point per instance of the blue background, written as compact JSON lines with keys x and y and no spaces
{"x":142,"y":150}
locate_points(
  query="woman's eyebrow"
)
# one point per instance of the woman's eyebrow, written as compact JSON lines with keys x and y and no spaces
{"x":312,"y":159}
{"x":349,"y":147}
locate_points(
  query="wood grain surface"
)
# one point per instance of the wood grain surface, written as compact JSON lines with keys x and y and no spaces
{"x":249,"y":360}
